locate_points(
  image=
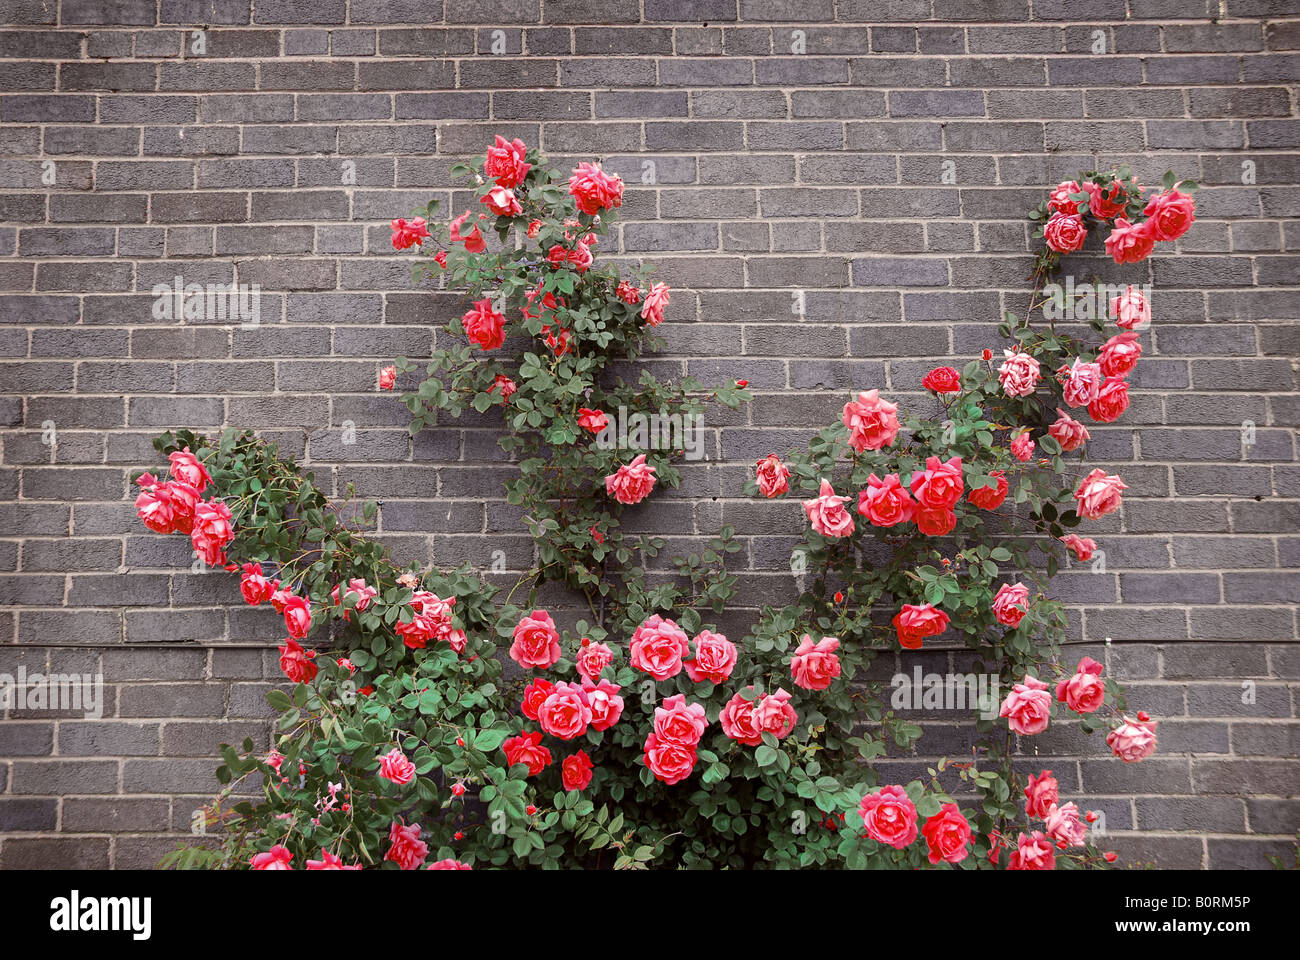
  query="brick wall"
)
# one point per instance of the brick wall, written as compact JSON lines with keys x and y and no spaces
{"x":127,"y":159}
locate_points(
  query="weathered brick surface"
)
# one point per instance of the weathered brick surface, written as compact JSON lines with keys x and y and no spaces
{"x":869,"y":160}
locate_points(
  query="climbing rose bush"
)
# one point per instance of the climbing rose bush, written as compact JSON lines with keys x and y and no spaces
{"x":641,"y":735}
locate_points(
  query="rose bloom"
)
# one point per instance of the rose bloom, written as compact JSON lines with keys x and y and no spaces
{"x":1082,"y":382}
{"x":295,"y":663}
{"x":1042,"y":793}
{"x":1119,"y":355}
{"x":356,"y":588}
{"x":947,"y":834}
{"x":277,"y":858}
{"x":408,"y":233}
{"x":535,"y":695}
{"x":536,"y":641}
{"x":297,"y":617}
{"x":738,"y":723}
{"x":186,"y":468}
{"x":773,"y":714}
{"x":889,"y":816}
{"x":1131,"y":309}
{"x":632,"y":482}
{"x":1059,"y":201}
{"x":388,"y":377}
{"x":255,"y":587}
{"x":406,"y":849}
{"x":557,"y":339}
{"x":1011,"y":604}
{"x":448,"y":864}
{"x":669,"y":762}
{"x":1098,"y":494}
{"x":815,"y":665}
{"x":826,"y":512}
{"x":915,"y":623}
{"x":886,"y":502}
{"x":628,"y":293}
{"x":714,"y":658}
{"x":595,"y":190}
{"x":211,"y":532}
{"x":1108,"y":203}
{"x":1028,"y":707}
{"x":166,"y":507}
{"x":1111,"y":402}
{"x":396,"y":767}
{"x":1170,"y":214}
{"x":1034,"y":852}
{"x":505,"y":162}
{"x":1068,"y":432}
{"x":527,"y":748}
{"x":1133,"y":740}
{"x":575,"y":771}
{"x":503,"y":385}
{"x":484,"y":325}
{"x":565,"y":713}
{"x":656,"y":301}
{"x":942,"y":380}
{"x":1128,"y":243}
{"x":473,"y":240}
{"x":679,"y":722}
{"x":935,"y":521}
{"x":501,"y":201}
{"x":592,"y":420}
{"x":1063,"y":825}
{"x":329,"y":861}
{"x":1082,"y":546}
{"x":280,"y":596}
{"x":606,"y":705}
{"x":1065,"y":233}
{"x":1085,"y":691}
{"x":658,"y":648}
{"x":872,"y":423}
{"x":990,"y":498}
{"x":939,"y":485}
{"x":1018,"y":374}
{"x":1022,"y":447}
{"x":772,"y":475}
{"x":592,"y":659}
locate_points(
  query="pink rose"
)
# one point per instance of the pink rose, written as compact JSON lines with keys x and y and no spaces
{"x":1042,"y":793}
{"x":536,"y":641}
{"x":939,"y":486}
{"x":1065,"y":233}
{"x":656,"y":301}
{"x":484,"y":325}
{"x":430,"y":619}
{"x":1082,"y":546}
{"x":1022,"y":447}
{"x":535,"y":695}
{"x":1131,"y":309}
{"x":565,"y":713}
{"x":658,"y":648}
{"x":593,"y":421}
{"x":679,"y":722}
{"x":1034,"y":852}
{"x":669,"y":762}
{"x":473,"y":240}
{"x":632,"y":482}
{"x":872,"y":423}
{"x":935,"y":521}
{"x":826,"y":512}
{"x":1098,"y":494}
{"x":255,"y":587}
{"x":738,"y":723}
{"x":947,"y":835}
{"x":1064,"y":826}
{"x":714,"y":658}
{"x":595,"y":190}
{"x":329,"y":861}
{"x":296,"y":663}
{"x":1018,"y":374}
{"x":186,"y":468}
{"x":448,"y":864}
{"x":505,"y":162}
{"x":575,"y":771}
{"x":592,"y":659}
{"x":1106,"y":204}
{"x":1068,"y":432}
{"x":405,"y":848}
{"x":396,"y":767}
{"x":1011,"y":604}
{"x":1059,"y":201}
{"x":388,"y":377}
{"x":772,"y":475}
{"x":277,"y":858}
{"x":1170,"y":214}
{"x":1082,"y":382}
{"x":605,"y":703}
{"x":356,"y":588}
{"x":211,"y":532}
{"x":773,"y":714}
{"x":815,"y":665}
{"x":527,"y":749}
{"x":889,"y":816}
{"x":990,"y":498}
{"x":1119,"y":355}
{"x":1133,"y":740}
{"x":915,"y":623}
{"x":503,"y":386}
{"x":886,"y":502}
{"x":1111,"y":402}
{"x":501,"y":201}
{"x":1085,"y":691}
{"x":1028,"y":707}
{"x":297,"y":617}
{"x":1128,"y":243}
{"x":628,"y":293}
{"x":408,"y":233}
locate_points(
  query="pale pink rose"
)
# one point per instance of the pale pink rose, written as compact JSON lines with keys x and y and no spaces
{"x":669,"y":762}
{"x":772,"y":475}
{"x":1119,"y":355}
{"x":1018,"y":374}
{"x":211,"y":530}
{"x":1082,"y":382}
{"x":1034,"y":852}
{"x":632,"y":482}
{"x":1133,"y":740}
{"x":815,"y":665}
{"x":605,"y":703}
{"x":536,"y":641}
{"x":1083,"y":547}
{"x":1028,"y":707}
{"x":872,"y":422}
{"x":1011,"y":604}
{"x":1068,"y":432}
{"x":501,"y":201}
{"x":826,"y":513}
{"x":277,"y":858}
{"x":1022,"y":447}
{"x":592,"y":659}
{"x":565,"y":713}
{"x":656,"y":301}
{"x":1085,"y":691}
{"x":1064,"y":826}
{"x":1065,"y":233}
{"x":1042,"y":793}
{"x":679,"y":722}
{"x":505,"y":162}
{"x":658,"y":648}
{"x":738,"y":722}
{"x":773,"y":714}
{"x":1131,"y":310}
{"x":186,"y":468}
{"x":396,"y":767}
{"x":714,"y":658}
{"x":1098,"y":494}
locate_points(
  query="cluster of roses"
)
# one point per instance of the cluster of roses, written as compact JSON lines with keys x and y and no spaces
{"x":890,"y":817}
{"x":1063,"y":827}
{"x":176,"y":506}
{"x":1168,"y":215}
{"x":406,"y":849}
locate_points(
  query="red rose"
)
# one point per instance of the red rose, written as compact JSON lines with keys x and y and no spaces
{"x":592,"y":420}
{"x":527,"y":748}
{"x":990,"y":498}
{"x":295,"y":663}
{"x":947,"y":834}
{"x":1106,"y":204}
{"x":484,"y":325}
{"x":575,"y":772}
{"x":915,"y":623}
{"x":942,"y":380}
{"x":535,"y":695}
{"x":1111,"y":402}
{"x":1128,"y":243}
